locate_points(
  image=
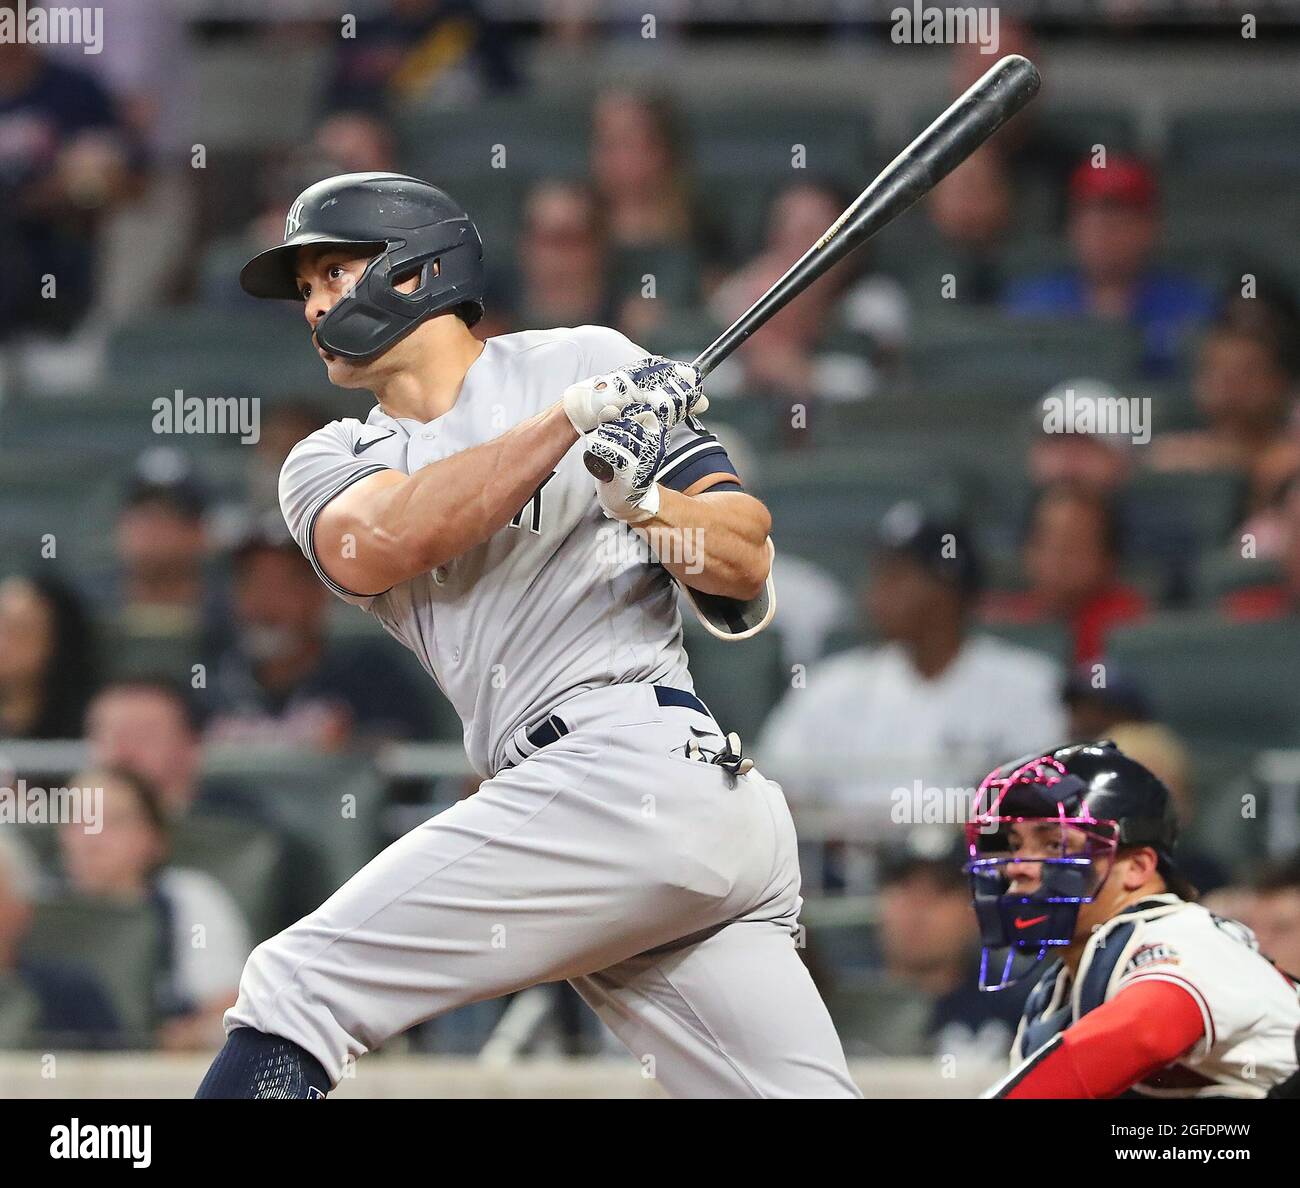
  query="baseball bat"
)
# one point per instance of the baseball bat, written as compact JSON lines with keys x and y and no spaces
{"x":988,"y":104}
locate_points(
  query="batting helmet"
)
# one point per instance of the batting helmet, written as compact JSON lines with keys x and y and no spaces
{"x":411,"y":227}
{"x":1092,"y":789}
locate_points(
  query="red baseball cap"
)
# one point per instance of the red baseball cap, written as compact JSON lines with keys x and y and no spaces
{"x":1122,"y":180}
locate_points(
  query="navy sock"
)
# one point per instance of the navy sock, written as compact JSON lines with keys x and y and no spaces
{"x":256,"y":1065}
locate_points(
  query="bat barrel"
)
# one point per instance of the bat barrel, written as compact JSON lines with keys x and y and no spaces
{"x":992,"y":100}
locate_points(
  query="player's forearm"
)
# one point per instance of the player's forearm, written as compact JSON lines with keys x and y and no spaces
{"x":449,"y":507}
{"x":715,"y":542}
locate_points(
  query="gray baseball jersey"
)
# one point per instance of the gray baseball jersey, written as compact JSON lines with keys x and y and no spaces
{"x":665,"y":889}
{"x":561,"y":600}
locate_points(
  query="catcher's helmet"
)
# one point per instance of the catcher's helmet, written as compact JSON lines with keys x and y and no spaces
{"x":411,"y":227}
{"x":1092,"y":789}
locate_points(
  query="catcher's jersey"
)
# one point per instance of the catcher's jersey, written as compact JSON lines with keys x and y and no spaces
{"x":562,"y":599}
{"x":1250,"y":1008}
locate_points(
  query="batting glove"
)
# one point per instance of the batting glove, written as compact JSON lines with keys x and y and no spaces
{"x":671,"y":389}
{"x":633,"y":445}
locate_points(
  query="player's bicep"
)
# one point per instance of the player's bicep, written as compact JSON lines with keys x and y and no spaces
{"x":353,"y":554}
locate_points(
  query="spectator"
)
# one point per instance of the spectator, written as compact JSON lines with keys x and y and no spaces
{"x":1102,"y":461}
{"x":442,"y":53}
{"x":1099,"y":696}
{"x":918,"y":707}
{"x":63,"y":167}
{"x":1275,"y":914}
{"x":1245,"y":389}
{"x":792,"y":357}
{"x":48,"y":659}
{"x":204,"y":937}
{"x":640,"y":167}
{"x":149,"y":725}
{"x":930,"y":947}
{"x":282,"y":681}
{"x":1114,"y":228}
{"x":563,"y":253}
{"x":970,"y":210}
{"x":1071,"y":558}
{"x":161,"y":542}
{"x":43,"y":1001}
{"x":1281,"y":598}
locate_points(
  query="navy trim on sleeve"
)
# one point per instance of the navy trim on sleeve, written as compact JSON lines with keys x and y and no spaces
{"x":311,"y":534}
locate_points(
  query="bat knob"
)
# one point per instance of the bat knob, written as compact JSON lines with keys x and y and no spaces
{"x":602,"y":470}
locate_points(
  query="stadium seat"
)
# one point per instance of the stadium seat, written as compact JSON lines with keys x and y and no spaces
{"x":1216,"y":682}
{"x":739,"y":681}
{"x":243,"y":857}
{"x":538,"y":140}
{"x":758,"y":142}
{"x":1224,"y":573}
{"x":119,"y":943}
{"x":326,"y":806}
{"x":1020,"y":356}
{"x":1241,"y":142}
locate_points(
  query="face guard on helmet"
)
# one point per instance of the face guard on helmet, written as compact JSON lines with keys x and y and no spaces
{"x":1045,"y":806}
{"x":409,"y":227}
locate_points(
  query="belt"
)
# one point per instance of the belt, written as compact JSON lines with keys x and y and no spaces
{"x":554,"y":726}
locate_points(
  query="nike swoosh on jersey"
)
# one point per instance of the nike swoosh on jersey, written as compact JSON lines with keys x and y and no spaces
{"x":1029,"y":923}
{"x":361,"y":447}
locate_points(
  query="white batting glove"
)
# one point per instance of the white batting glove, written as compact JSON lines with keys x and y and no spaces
{"x":671,"y":389}
{"x":633,"y":445}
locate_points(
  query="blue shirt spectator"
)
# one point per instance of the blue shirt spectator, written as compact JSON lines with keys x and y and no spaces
{"x":1114,"y":231}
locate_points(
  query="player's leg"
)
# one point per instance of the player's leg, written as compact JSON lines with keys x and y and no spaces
{"x":551,"y":870}
{"x":733,"y":1014}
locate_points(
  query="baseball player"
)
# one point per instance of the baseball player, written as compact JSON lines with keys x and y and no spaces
{"x":619,"y":839}
{"x":1147,"y":993}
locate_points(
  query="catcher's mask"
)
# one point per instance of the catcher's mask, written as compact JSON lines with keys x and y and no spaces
{"x":1046,"y":807}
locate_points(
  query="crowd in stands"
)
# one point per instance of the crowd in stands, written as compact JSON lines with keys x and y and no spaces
{"x":943,"y":645}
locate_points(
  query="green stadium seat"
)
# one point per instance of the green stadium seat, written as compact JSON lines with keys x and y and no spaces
{"x":1020,"y":356}
{"x":1168,"y":514}
{"x":1216,"y":682}
{"x":245,"y":858}
{"x":120,"y":944}
{"x":539,"y":140}
{"x":1243,"y":142}
{"x":758,"y":142}
{"x":326,"y":806}
{"x":738,"y":680}
{"x":1224,"y":573}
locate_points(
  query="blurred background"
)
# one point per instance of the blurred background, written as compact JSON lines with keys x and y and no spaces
{"x":1129,"y":242}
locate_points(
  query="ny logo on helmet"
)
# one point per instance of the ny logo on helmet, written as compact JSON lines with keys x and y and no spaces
{"x":294,"y":221}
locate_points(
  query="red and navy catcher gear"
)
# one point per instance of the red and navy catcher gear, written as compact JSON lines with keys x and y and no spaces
{"x":410,"y":227}
{"x":1092,"y":790}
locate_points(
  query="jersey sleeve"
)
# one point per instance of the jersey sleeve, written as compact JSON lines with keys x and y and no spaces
{"x":317,"y":469}
{"x":691,"y":452}
{"x":1130,"y":1036}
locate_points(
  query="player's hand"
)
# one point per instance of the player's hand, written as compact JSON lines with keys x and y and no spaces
{"x":633,"y":446}
{"x":671,"y":389}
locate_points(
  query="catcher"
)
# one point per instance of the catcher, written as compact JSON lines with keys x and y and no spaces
{"x":1140,"y":990}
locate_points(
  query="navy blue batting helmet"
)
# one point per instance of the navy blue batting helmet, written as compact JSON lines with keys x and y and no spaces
{"x":411,"y":227}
